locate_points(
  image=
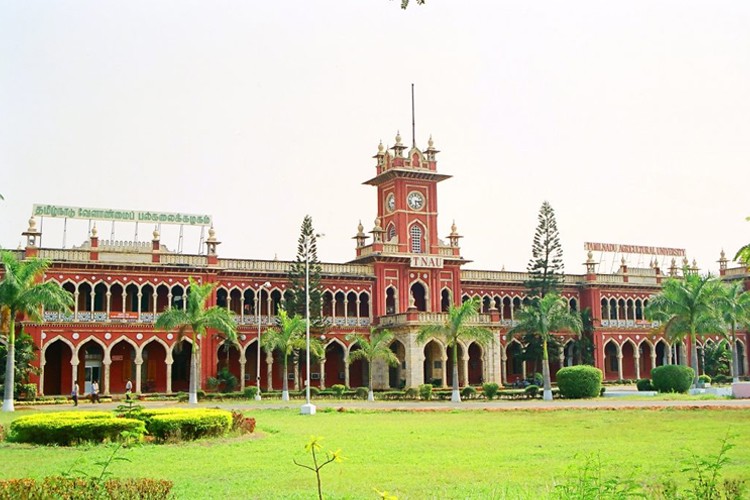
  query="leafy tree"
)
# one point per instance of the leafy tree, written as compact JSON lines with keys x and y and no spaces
{"x":288,"y":337}
{"x":26,"y":354}
{"x":22,"y":293}
{"x":376,"y":347}
{"x":542,"y":317}
{"x":295,"y":301}
{"x":717,"y":358}
{"x":454,"y":329}
{"x":687,"y":307}
{"x":546,"y":268}
{"x":735,"y":310}
{"x":743,"y":254}
{"x":195,"y":320}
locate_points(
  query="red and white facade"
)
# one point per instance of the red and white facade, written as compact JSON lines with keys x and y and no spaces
{"x":402,"y":277}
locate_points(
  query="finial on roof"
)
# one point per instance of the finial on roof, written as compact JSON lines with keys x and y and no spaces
{"x":398,"y":138}
{"x":94,"y":231}
{"x":380,"y":147}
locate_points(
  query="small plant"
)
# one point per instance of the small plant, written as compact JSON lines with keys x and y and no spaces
{"x":242,"y":424}
{"x":314,"y":447}
{"x":532,"y":391}
{"x":706,"y":472}
{"x":704,"y":379}
{"x":361,"y":392}
{"x":338,"y":390}
{"x":384,"y":495}
{"x":490,"y":390}
{"x":425,"y":392}
{"x":128,"y":409}
{"x":126,"y":439}
{"x":250,"y":392}
{"x":468,"y":392}
{"x":587,"y":481}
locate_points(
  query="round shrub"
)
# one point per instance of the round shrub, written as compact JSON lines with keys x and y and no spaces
{"x":468,"y":392}
{"x":644,"y":384}
{"x":706,"y":379}
{"x":68,"y":428}
{"x":576,"y":382}
{"x":425,"y":391}
{"x":531,"y":391}
{"x":722,"y":379}
{"x":338,"y":390}
{"x":361,"y":392}
{"x":672,"y":378}
{"x":490,"y":390}
{"x":250,"y":392}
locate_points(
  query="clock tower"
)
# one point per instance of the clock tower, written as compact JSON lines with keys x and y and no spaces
{"x":415,"y":270}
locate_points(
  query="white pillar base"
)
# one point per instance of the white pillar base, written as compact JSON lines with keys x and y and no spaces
{"x":307,"y":409}
{"x":547,"y":396}
{"x":455,"y":397}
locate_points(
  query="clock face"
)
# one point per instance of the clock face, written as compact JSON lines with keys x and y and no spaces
{"x":390,"y":202}
{"x":415,"y":200}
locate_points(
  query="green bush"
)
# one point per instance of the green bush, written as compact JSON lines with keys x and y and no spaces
{"x":410,"y":393}
{"x":706,"y":379}
{"x":672,"y":378}
{"x":183,"y":424}
{"x":468,"y":392}
{"x":338,"y":390}
{"x":67,"y":428}
{"x":531,"y":391}
{"x":490,"y":390}
{"x":314,"y":392}
{"x":361,"y":392}
{"x":644,"y":384}
{"x":425,"y":392}
{"x":250,"y":392}
{"x":84,"y":488}
{"x":722,"y":379}
{"x":580,"y":381}
{"x":28,"y":391}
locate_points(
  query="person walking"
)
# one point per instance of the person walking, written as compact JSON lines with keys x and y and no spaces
{"x":128,"y":390}
{"x":95,"y":392}
{"x":74,"y":393}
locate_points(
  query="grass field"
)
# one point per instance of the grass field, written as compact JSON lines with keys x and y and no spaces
{"x":430,"y":454}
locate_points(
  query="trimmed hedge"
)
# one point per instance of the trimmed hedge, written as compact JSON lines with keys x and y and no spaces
{"x":68,"y":428}
{"x":582,"y":381}
{"x":84,"y":488}
{"x":184,"y":424}
{"x":672,"y":378}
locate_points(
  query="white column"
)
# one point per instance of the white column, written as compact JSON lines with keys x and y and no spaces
{"x":74,"y":371}
{"x":443,"y":371}
{"x":322,"y":366}
{"x":138,"y":364}
{"x":269,"y":371}
{"x":619,"y":365}
{"x":107,"y":364}
{"x":637,"y":358}
{"x":169,"y":376}
{"x":503,"y":366}
{"x":40,"y":389}
{"x":109,"y":304}
{"x":346,"y":371}
{"x":465,"y":364}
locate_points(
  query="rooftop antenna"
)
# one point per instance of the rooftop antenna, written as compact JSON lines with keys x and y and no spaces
{"x":413,"y":139}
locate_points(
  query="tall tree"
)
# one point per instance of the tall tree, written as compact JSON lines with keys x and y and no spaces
{"x":26,"y":353}
{"x":457,"y":328}
{"x":307,"y":248}
{"x":23,"y":294}
{"x":743,"y":254}
{"x":376,"y":347}
{"x":543,"y":317}
{"x":195,"y":321}
{"x":688,"y":307}
{"x":734,"y":307}
{"x":287,"y":337}
{"x":546,"y":268}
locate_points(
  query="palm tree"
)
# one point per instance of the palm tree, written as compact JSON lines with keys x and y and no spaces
{"x":735,"y":310}
{"x":542,"y":317}
{"x":22,"y":293}
{"x":377,"y":347}
{"x":743,"y":254}
{"x":455,"y":329}
{"x":288,"y":337}
{"x":195,"y":320}
{"x":687,"y":308}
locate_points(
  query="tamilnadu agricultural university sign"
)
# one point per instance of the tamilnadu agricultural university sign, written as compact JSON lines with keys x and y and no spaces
{"x":104,"y":214}
{"x":639,"y":249}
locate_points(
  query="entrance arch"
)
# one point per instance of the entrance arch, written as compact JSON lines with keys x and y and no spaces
{"x":122,"y":355}
{"x":514,"y":362}
{"x":396,"y":376}
{"x":434,"y":365}
{"x":228,"y":356}
{"x":335,"y":365}
{"x":476,"y":368}
{"x":181,"y":353}
{"x":419,"y":296}
{"x":90,"y":365}
{"x":57,"y":369}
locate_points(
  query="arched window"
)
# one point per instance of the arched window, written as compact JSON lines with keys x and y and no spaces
{"x":416,"y":239}
{"x":391,"y":231}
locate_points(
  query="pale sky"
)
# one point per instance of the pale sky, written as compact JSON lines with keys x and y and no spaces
{"x":632,"y":118}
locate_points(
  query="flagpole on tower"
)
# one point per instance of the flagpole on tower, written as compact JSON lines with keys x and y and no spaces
{"x":413,"y":136}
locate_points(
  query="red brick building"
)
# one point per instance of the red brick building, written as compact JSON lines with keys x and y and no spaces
{"x":403,"y":275}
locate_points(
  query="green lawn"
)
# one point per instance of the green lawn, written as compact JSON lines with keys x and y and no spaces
{"x":444,"y":454}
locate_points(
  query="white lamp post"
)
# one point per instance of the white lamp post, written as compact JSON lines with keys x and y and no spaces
{"x":308,"y":408}
{"x":257,"y":365}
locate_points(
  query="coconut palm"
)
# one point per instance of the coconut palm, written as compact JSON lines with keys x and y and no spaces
{"x":455,"y":329}
{"x":688,"y":307}
{"x":195,"y":321}
{"x":734,"y":307}
{"x":288,"y":337}
{"x":22,"y":293}
{"x":542,"y":317}
{"x":376,"y":347}
{"x":743,"y":254}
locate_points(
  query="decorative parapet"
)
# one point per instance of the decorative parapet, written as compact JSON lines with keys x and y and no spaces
{"x":429,"y":318}
{"x":184,"y":260}
{"x":630,"y":323}
{"x":55,"y":254}
{"x":736,"y":271}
